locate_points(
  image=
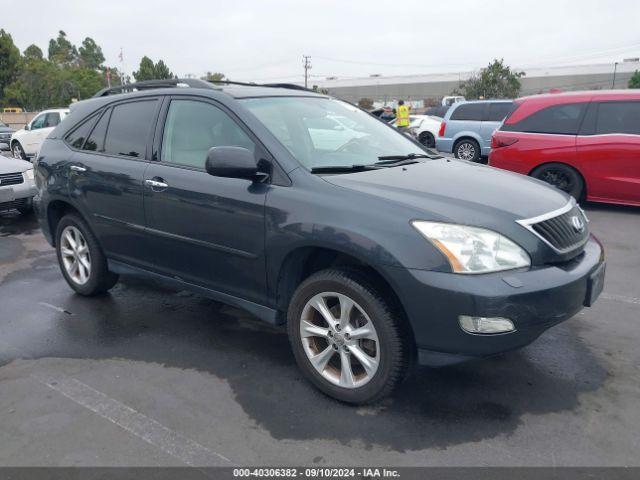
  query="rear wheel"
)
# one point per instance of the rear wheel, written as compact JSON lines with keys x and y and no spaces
{"x":467,"y":149}
{"x":346,"y":337}
{"x":561,"y":176}
{"x":81,"y":260}
{"x":427,"y":139}
{"x":18,"y":151}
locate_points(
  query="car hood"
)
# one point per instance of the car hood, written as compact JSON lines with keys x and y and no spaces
{"x":13,"y":165}
{"x":456,"y":191}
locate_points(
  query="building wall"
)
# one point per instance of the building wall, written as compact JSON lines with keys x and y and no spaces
{"x":435,"y":90}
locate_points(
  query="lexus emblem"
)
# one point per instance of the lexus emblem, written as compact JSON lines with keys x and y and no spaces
{"x":578,"y":224}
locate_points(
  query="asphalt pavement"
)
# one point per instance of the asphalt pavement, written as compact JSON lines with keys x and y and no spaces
{"x":148,"y":375}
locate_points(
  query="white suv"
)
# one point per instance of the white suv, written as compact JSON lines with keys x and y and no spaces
{"x":26,"y":142}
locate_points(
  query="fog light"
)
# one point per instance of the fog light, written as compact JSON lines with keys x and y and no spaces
{"x":485,"y":325}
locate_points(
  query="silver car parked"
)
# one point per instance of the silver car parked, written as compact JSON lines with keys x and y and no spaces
{"x":17,"y":186}
{"x":467,"y":128}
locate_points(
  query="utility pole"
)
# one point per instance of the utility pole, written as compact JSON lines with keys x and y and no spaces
{"x":306,"y":62}
{"x":615,"y":67}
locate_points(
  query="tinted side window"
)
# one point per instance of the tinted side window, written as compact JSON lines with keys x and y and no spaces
{"x":95,"y":142}
{"x":129,"y":128}
{"x":471,"y":111}
{"x":498,"y":111}
{"x":558,"y":119}
{"x":52,"y":119}
{"x":618,"y":117}
{"x":78,"y":136}
{"x":193,"y":127}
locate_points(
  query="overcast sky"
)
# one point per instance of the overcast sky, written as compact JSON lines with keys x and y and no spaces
{"x":265,"y":40}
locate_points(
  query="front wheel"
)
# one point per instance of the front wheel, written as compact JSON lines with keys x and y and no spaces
{"x":561,"y":176}
{"x":347,"y":338}
{"x":81,"y":260}
{"x":18,"y":151}
{"x":467,"y":150}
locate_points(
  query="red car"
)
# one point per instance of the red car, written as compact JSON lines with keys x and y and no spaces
{"x":585,"y":143}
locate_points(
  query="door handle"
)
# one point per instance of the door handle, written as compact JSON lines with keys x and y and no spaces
{"x":156,"y":184}
{"x":77,"y":168}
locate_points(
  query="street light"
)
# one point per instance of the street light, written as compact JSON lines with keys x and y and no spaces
{"x":615,"y":67}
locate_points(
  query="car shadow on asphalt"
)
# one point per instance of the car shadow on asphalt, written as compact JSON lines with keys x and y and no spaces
{"x":143,"y":321}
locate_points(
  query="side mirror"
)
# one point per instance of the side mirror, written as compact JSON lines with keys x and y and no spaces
{"x":233,"y":162}
{"x":27,"y":127}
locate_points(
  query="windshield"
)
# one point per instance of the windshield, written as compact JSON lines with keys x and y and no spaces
{"x":323,"y":132}
{"x":2,"y":124}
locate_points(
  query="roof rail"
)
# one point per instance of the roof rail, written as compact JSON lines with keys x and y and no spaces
{"x":151,"y":84}
{"x":187,"y":82}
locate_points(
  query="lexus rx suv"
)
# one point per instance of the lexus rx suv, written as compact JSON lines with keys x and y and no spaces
{"x":374,"y":253}
{"x":585,"y":143}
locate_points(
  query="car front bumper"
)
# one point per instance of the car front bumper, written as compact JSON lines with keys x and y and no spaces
{"x":534,"y":300}
{"x":17,"y":195}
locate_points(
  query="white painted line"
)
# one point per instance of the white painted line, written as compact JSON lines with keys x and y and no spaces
{"x":621,"y":298}
{"x":184,"y":449}
{"x":53,"y":307}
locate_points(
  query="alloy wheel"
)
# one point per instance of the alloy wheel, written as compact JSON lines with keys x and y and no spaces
{"x":466,"y":151}
{"x":18,"y":152}
{"x":75,"y":255}
{"x":340,"y":340}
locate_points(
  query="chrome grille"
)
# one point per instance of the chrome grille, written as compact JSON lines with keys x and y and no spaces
{"x":564,"y":230}
{"x":11,"y":179}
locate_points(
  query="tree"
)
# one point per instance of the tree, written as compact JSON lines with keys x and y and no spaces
{"x":149,"y":71}
{"x":91,"y":55}
{"x":62,"y":52}
{"x":9,"y":61}
{"x":214,"y":77}
{"x":495,"y":81}
{"x":634,"y":81}
{"x":365,"y":103}
{"x":33,"y":53}
{"x":162,"y":71}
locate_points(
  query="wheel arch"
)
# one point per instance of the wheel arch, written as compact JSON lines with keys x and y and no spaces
{"x":304,"y":261}
{"x":56,"y":209}
{"x":585,"y":191}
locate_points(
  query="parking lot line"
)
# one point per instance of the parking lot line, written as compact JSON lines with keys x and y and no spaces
{"x":151,"y":431}
{"x":621,"y":298}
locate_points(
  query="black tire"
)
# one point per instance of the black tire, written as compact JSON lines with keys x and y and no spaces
{"x":17,"y":151}
{"x":100,"y":279}
{"x":561,"y":176}
{"x":394,"y":340}
{"x":427,"y":139}
{"x":467,"y":145}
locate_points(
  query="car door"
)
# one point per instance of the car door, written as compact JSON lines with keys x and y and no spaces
{"x":609,"y":151}
{"x":106,"y":174}
{"x":203,"y":229}
{"x":494,"y":114}
{"x":30,"y":139}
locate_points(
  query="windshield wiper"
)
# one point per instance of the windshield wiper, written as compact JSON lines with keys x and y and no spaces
{"x":342,"y":168}
{"x":390,"y":159}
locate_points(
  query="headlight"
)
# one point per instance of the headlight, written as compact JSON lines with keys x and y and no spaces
{"x":473,"y":249}
{"x":28,"y":174}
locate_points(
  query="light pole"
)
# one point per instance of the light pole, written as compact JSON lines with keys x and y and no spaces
{"x":615,"y":67}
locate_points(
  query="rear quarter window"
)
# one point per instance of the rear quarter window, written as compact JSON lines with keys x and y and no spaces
{"x":498,"y":111}
{"x":556,"y":119}
{"x":618,"y":117}
{"x":469,"y":112}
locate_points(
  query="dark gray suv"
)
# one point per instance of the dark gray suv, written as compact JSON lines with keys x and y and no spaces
{"x":376,"y":254}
